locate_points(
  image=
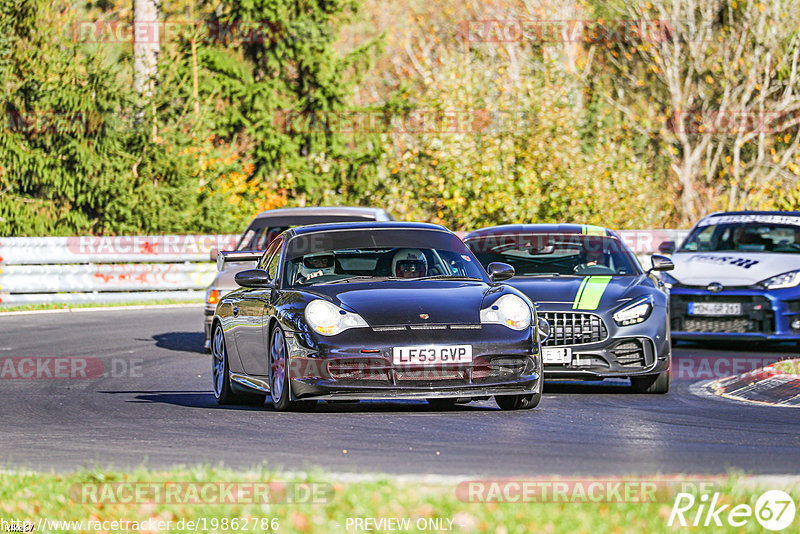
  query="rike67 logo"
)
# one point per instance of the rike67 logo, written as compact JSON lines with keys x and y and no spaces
{"x":774,"y":510}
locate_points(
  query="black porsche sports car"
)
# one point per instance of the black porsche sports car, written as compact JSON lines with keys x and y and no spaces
{"x":608,"y":317}
{"x":381,"y":310}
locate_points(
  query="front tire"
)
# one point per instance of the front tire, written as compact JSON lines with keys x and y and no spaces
{"x":220,"y":374}
{"x":652,"y":384}
{"x":279,"y":377}
{"x":517,"y":402}
{"x":523,"y":402}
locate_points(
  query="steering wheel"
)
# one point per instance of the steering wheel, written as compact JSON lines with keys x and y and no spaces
{"x":584,"y":268}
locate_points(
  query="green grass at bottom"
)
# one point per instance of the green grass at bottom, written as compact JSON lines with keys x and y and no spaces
{"x":333,"y":504}
{"x":788,"y":366}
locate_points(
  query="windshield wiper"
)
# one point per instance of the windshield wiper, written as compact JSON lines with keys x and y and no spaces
{"x":354,"y":278}
{"x":445,"y":277}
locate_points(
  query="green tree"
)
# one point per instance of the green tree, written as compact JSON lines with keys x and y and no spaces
{"x":286,"y":103}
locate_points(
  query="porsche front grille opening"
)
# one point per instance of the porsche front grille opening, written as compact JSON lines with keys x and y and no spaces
{"x":363,"y":369}
{"x":431,"y":375}
{"x":568,"y":328}
{"x":504,"y":366}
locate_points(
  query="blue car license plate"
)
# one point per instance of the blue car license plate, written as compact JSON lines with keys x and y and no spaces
{"x":715,"y":308}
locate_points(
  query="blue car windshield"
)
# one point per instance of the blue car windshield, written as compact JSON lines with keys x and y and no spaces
{"x":744,"y":237}
{"x":556,"y":254}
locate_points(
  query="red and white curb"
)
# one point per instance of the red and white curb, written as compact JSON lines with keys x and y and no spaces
{"x":768,"y":386}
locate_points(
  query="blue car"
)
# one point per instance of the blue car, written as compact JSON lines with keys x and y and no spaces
{"x":737,"y":276}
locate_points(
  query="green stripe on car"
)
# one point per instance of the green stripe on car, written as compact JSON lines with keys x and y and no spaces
{"x":590,"y":229}
{"x":590,"y":292}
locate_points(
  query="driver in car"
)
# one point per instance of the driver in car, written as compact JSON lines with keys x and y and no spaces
{"x":592,"y":257}
{"x":409,"y":263}
{"x":315,"y":265}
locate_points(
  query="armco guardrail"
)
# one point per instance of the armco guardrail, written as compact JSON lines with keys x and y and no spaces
{"x":107,"y":269}
{"x":130,"y":268}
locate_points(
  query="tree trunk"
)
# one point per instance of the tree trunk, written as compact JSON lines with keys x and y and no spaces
{"x":146,"y":45}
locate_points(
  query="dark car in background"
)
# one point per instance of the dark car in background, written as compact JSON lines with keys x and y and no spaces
{"x":384,"y":311}
{"x":608,"y":317}
{"x":265,"y":227}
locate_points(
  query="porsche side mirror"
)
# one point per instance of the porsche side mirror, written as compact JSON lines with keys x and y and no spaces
{"x":661,"y":263}
{"x":253,"y":278}
{"x":666,"y":247}
{"x":543,"y":325}
{"x":499,"y":271}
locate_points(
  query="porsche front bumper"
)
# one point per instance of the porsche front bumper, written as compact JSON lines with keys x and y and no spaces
{"x":357,"y":364}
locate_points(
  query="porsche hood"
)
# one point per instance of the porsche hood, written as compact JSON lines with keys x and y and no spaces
{"x":730,"y":268}
{"x":409,"y":302}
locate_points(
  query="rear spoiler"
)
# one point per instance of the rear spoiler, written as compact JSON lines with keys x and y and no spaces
{"x":226,"y":256}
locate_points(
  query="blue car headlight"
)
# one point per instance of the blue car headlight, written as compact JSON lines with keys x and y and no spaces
{"x":509,"y":310}
{"x":782,"y":281}
{"x":635,"y":312}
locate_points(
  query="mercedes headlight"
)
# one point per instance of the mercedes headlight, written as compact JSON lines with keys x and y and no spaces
{"x":508,"y":310}
{"x":782,"y":281}
{"x":328,"y":319}
{"x":634,"y":313}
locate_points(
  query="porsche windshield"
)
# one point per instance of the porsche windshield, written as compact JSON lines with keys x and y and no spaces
{"x":556,"y":254}
{"x":744,"y":237}
{"x":348,"y":256}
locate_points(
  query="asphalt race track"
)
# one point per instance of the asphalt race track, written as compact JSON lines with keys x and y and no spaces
{"x":155,"y":406}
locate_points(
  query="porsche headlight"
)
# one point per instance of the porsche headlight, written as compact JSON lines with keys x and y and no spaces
{"x":635,"y":312}
{"x":782,"y":281}
{"x":328,"y":319}
{"x":508,"y":310}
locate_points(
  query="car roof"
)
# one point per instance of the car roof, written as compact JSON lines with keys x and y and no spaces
{"x":565,"y":228}
{"x":376,"y":225}
{"x":722,"y":217}
{"x":751,"y":212}
{"x":297,"y":214}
